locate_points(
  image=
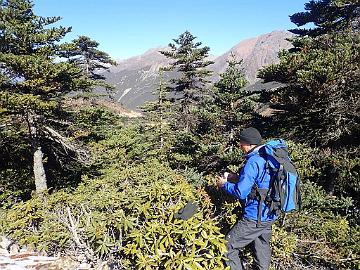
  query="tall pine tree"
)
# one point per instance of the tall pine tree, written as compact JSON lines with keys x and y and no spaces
{"x":34,"y":79}
{"x":84,"y":52}
{"x":233,"y":105}
{"x":328,"y":16}
{"x":190,"y":64}
{"x":322,"y":74}
{"x":158,"y":113}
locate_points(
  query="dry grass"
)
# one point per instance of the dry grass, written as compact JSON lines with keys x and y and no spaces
{"x":78,"y":103}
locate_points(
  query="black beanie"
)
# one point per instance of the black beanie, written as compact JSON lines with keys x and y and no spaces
{"x":250,"y":136}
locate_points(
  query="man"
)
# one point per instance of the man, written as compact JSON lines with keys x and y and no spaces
{"x":252,"y":228}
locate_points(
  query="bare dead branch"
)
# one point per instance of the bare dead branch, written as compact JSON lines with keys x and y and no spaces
{"x":81,"y":154}
{"x":89,"y":253}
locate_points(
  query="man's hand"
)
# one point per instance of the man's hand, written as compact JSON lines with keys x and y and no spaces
{"x":220,"y":181}
{"x":233,"y":177}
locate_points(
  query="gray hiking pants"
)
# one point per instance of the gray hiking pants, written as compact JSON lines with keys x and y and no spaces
{"x":246,"y":232}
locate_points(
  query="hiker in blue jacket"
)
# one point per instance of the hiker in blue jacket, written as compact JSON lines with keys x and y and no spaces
{"x":252,"y":228}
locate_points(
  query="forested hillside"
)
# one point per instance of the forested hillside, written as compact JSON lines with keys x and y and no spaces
{"x":83,"y":181}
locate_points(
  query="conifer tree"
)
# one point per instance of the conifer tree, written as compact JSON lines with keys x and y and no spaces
{"x":328,"y":16}
{"x":158,"y":112}
{"x":34,"y":78}
{"x":189,"y":61}
{"x":84,"y":52}
{"x":233,"y":104}
{"x":322,"y":74}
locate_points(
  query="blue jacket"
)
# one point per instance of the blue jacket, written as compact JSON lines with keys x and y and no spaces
{"x":253,"y":172}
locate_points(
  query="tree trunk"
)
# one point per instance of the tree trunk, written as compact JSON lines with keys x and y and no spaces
{"x":161,"y":113}
{"x":231,"y":137}
{"x":39,"y":171}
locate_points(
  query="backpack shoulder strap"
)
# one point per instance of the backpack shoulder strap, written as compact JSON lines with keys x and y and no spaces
{"x":261,"y":194}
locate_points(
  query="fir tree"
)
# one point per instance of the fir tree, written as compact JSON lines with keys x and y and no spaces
{"x":34,"y":79}
{"x":322,"y":75}
{"x":158,"y":113}
{"x":189,"y":61}
{"x":232,"y":102}
{"x":84,"y":52}
{"x":328,"y":16}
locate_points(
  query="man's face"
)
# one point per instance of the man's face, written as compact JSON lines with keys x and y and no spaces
{"x":244,"y":147}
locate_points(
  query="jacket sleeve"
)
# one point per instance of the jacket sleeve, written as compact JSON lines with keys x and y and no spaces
{"x":242,"y":188}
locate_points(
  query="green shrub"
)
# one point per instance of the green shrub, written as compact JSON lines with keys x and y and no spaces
{"x":125,"y":215}
{"x":124,"y":212}
{"x":283,"y":245}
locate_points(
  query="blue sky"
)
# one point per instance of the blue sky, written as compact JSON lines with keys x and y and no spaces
{"x":126,"y":28}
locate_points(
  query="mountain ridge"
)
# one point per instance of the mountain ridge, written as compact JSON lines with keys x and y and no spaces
{"x":137,"y":77}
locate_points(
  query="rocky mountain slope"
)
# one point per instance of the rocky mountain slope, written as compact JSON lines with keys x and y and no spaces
{"x":255,"y":52}
{"x":137,"y":77}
